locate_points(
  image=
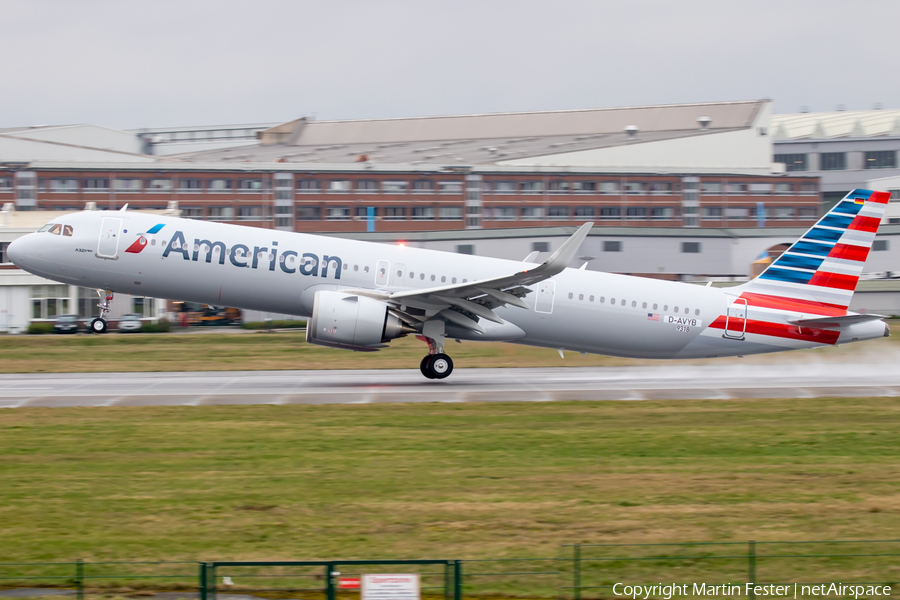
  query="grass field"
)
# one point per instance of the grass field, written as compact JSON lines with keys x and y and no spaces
{"x":442,"y":480}
{"x":289,"y":350}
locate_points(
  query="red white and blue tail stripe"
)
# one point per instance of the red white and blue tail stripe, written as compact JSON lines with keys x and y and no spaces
{"x":824,"y":265}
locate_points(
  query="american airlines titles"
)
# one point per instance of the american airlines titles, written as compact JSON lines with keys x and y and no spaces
{"x":240,"y":256}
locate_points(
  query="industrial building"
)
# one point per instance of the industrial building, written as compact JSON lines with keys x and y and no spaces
{"x":676,"y":191}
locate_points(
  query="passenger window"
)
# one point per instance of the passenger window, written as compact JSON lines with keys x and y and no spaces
{"x":67,"y":230}
{"x":432,"y":277}
{"x":697,"y":312}
{"x":366,"y":269}
{"x":687,"y":310}
{"x":581,"y":296}
{"x":655,"y":305}
{"x":465,"y":280}
{"x":571,"y":295}
{"x":612,"y":301}
{"x":399,"y":273}
{"x":633,"y":303}
{"x":591,"y":298}
{"x":644,"y":305}
{"x":412,"y":275}
{"x":623,"y":301}
{"x":665,"y":307}
{"x":443,"y":278}
{"x":356,"y":267}
{"x":602,"y":299}
{"x":453,"y":280}
{"x":422,"y":276}
{"x":56,"y":229}
{"x":676,"y":309}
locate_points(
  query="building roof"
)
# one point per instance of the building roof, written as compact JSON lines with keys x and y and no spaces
{"x":484,"y":139}
{"x":838,"y":124}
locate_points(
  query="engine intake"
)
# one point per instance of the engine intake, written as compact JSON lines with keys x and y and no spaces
{"x":352,"y":322}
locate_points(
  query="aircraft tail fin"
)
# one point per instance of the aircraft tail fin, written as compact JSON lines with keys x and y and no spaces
{"x":825,"y":264}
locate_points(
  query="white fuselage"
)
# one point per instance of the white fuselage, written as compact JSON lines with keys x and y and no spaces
{"x":576,"y":310}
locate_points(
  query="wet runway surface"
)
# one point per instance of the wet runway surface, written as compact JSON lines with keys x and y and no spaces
{"x":665,"y":382}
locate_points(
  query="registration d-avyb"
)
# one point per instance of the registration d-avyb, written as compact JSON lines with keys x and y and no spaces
{"x":390,"y":587}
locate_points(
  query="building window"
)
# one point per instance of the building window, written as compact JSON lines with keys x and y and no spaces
{"x":366,"y":186}
{"x":612,"y":246}
{"x":610,"y":212}
{"x":832,"y":161}
{"x":808,"y":212}
{"x":250,"y":185}
{"x":532,"y":187}
{"x":48,"y":301}
{"x":784,"y":213}
{"x":4,"y":259}
{"x":394,"y":187}
{"x":450,"y":187}
{"x":662,"y":213}
{"x":895,"y":195}
{"x":712,"y":212}
{"x":792,"y":162}
{"x":504,"y":213}
{"x":880,"y":246}
{"x":423,"y":213}
{"x":6,"y":183}
{"x":362,"y":212}
{"x":584,"y":187}
{"x":609,"y":187}
{"x":690,"y":247}
{"x":221,"y":213}
{"x":338,"y":213}
{"x":65,"y":186}
{"x":558,"y":187}
{"x":249,"y":213}
{"x":532,"y":213}
{"x":219,"y":185}
{"x":881,"y":159}
{"x":504,"y":187}
{"x":451,"y":213}
{"x":465,"y":249}
{"x":585,"y":211}
{"x":190,"y":185}
{"x":309,"y":213}
{"x":558,"y":213}
{"x":192,"y":212}
{"x":661,"y":188}
{"x":423,"y":187}
{"x":636,"y":213}
{"x":784,"y":188}
{"x":540,"y":246}
{"x":159,"y":185}
{"x":736,"y":189}
{"x":309,"y":186}
{"x":635,"y":187}
{"x":96,"y":184}
{"x":710,"y":187}
{"x":395,"y":213}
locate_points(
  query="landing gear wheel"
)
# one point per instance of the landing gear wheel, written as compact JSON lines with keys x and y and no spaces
{"x":440,"y":366}
{"x":98,"y":325}
{"x":423,"y":366}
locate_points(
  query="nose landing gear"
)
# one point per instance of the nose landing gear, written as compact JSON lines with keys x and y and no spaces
{"x":436,"y":364}
{"x":98,"y":324}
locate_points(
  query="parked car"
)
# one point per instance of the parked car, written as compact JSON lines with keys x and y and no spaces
{"x":66,"y":324}
{"x":130,"y":322}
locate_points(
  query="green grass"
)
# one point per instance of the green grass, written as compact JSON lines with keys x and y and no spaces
{"x":221,"y":351}
{"x":472,"y":481}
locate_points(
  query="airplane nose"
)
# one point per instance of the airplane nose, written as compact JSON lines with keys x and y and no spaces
{"x":19,"y":250}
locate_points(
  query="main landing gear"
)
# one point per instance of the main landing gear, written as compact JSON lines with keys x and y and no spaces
{"x":436,"y":365}
{"x":98,"y":324}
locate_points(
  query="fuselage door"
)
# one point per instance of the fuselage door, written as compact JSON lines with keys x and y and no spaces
{"x":546,"y":290}
{"x":736,"y":319}
{"x":382,"y":273}
{"x":109,"y":237}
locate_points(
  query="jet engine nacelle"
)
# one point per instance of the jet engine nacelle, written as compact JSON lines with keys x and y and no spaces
{"x":352,"y":322}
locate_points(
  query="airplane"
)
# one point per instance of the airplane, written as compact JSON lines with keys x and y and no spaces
{"x":361,"y":295}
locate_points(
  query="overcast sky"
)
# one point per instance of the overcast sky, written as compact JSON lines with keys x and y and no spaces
{"x":183,"y":62}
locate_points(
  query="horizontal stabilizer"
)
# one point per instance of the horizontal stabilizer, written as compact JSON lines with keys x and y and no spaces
{"x":845,"y":321}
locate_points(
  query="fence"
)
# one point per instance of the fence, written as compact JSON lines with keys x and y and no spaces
{"x":580,"y":571}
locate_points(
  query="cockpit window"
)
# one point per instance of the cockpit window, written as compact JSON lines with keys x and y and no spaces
{"x":56,"y":229}
{"x":45,"y":227}
{"x":67,"y":230}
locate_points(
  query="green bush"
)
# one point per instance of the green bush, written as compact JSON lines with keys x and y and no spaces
{"x":281,"y":324}
{"x":161,"y":326}
{"x":39,"y":328}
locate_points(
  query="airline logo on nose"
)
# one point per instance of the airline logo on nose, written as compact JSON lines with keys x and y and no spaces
{"x":141,"y":243}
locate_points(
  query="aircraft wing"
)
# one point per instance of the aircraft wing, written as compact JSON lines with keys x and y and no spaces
{"x":837,"y":322}
{"x":464,"y":303}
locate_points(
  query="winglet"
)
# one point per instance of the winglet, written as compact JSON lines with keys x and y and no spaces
{"x":560,"y":259}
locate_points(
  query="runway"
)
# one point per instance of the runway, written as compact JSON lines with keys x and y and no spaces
{"x":666,"y":382}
